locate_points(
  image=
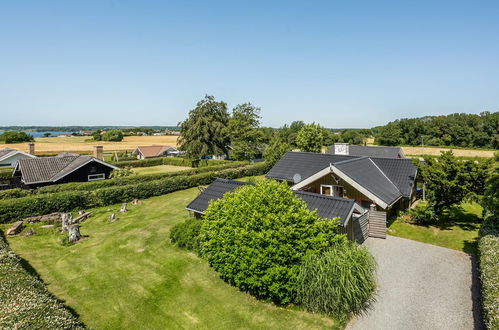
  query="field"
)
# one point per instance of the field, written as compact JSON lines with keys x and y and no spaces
{"x":78,"y":144}
{"x":127,"y":275}
{"x":458,"y":230}
{"x":159,"y":169}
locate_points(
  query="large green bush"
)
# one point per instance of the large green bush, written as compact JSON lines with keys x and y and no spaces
{"x":340,"y":281}
{"x":186,"y":234}
{"x":257,"y":236}
{"x":25,"y":302}
{"x":18,"y":208}
{"x":488,"y":247}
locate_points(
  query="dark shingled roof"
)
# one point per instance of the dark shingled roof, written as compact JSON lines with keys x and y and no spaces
{"x":371,"y":151}
{"x":5,"y":151}
{"x":303,"y":163}
{"x":387,"y":178}
{"x":51,"y":169}
{"x":327,"y":206}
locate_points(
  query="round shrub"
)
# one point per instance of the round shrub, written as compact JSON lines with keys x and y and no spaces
{"x":186,"y":234}
{"x":340,"y":281}
{"x":257,"y":236}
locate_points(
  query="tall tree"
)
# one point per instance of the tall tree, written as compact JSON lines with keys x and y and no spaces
{"x":276,"y":149}
{"x":243,"y":131}
{"x":204,"y":132}
{"x":310,"y":138}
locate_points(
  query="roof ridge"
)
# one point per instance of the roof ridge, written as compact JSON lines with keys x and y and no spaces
{"x":349,"y":160}
{"x":71,"y":162}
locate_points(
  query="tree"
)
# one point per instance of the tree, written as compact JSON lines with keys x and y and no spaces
{"x":257,"y":236}
{"x":204,"y":132}
{"x":310,"y":138}
{"x":276,"y":149}
{"x":46,"y":134}
{"x":113,"y":135}
{"x":243,"y":131}
{"x":450,"y":180}
{"x":491,"y":195}
{"x":97,"y":135}
{"x":16,"y":137}
{"x":389,"y":135}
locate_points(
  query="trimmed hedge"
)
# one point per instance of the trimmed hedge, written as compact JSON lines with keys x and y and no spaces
{"x":25,"y":301}
{"x":14,"y":193}
{"x":175,"y":161}
{"x":186,"y":234}
{"x":19,"y":208}
{"x":133,"y":179}
{"x":488,"y":248}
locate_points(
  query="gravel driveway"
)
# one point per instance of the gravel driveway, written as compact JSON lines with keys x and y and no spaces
{"x":422,"y":286}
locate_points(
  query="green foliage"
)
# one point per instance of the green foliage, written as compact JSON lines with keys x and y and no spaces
{"x":337,"y":282}
{"x":458,"y":129}
{"x":488,"y":246}
{"x":26,"y":303}
{"x":175,"y":161}
{"x":310,"y":138}
{"x":491,"y":195}
{"x":257,"y":236}
{"x":422,"y":214}
{"x":353,"y":136}
{"x":450,"y":181}
{"x":114,"y":135}
{"x":121,"y":173}
{"x":204,"y":132}
{"x":15,"y":137}
{"x":97,"y":136}
{"x":19,"y":208}
{"x":276,"y":149}
{"x":14,"y":193}
{"x":186,"y":234}
{"x":243,"y":132}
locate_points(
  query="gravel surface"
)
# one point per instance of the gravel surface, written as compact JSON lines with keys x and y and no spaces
{"x":422,"y":286}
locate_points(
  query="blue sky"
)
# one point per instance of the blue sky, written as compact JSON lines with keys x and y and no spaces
{"x":339,"y":63}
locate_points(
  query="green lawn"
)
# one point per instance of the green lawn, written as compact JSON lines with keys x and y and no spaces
{"x":159,"y":169}
{"x":458,"y":230}
{"x":127,"y":275}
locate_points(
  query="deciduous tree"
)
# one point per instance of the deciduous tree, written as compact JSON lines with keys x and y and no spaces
{"x":310,"y":138}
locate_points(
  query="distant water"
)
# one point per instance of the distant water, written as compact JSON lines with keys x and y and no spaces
{"x":41,"y":134}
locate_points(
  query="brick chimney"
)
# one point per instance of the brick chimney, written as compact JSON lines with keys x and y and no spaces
{"x":341,"y":148}
{"x":98,"y":152}
{"x":31,"y":149}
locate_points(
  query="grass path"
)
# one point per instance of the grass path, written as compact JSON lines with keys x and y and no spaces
{"x":458,"y":230}
{"x":127,"y":275}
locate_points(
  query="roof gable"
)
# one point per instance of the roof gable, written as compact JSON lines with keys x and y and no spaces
{"x":6,"y":153}
{"x":154,"y":150}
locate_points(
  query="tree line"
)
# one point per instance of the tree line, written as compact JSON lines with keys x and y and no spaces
{"x":458,"y":129}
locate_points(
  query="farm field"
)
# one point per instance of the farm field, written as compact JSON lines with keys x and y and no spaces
{"x":127,"y":275}
{"x":78,"y":144}
{"x":458,"y":231}
{"x":159,"y":169}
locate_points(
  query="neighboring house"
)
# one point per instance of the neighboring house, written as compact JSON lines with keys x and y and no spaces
{"x":42,"y":171}
{"x":144,"y":152}
{"x":387,"y":183}
{"x":369,"y":151}
{"x":353,"y":218}
{"x":9,"y":157}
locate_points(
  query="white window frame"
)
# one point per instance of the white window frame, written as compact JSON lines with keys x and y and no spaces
{"x":327,"y":186}
{"x":101,"y":176}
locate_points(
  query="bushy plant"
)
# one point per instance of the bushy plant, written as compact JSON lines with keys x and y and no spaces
{"x":310,"y":138}
{"x":488,"y":247}
{"x":186,"y":234}
{"x":337,"y":282}
{"x":25,"y":301}
{"x":14,"y":193}
{"x":114,"y":135}
{"x":16,"y":137}
{"x":257,"y":236}
{"x":422,"y":214}
{"x":121,"y":173}
{"x":276,"y":149}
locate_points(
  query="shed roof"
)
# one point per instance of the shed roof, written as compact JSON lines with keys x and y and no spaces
{"x":327,"y":206}
{"x":153,"y":151}
{"x":51,"y":169}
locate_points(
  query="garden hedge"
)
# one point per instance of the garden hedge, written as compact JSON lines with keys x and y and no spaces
{"x":175,"y":161}
{"x":25,"y":301}
{"x":18,"y":208}
{"x":14,"y":193}
{"x":488,"y":248}
{"x":133,"y":179}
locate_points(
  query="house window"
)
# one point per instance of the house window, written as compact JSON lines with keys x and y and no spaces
{"x":331,"y":190}
{"x":95,"y":177}
{"x":6,"y":165}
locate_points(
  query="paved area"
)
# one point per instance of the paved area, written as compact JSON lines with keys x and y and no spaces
{"x":421,"y":286}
